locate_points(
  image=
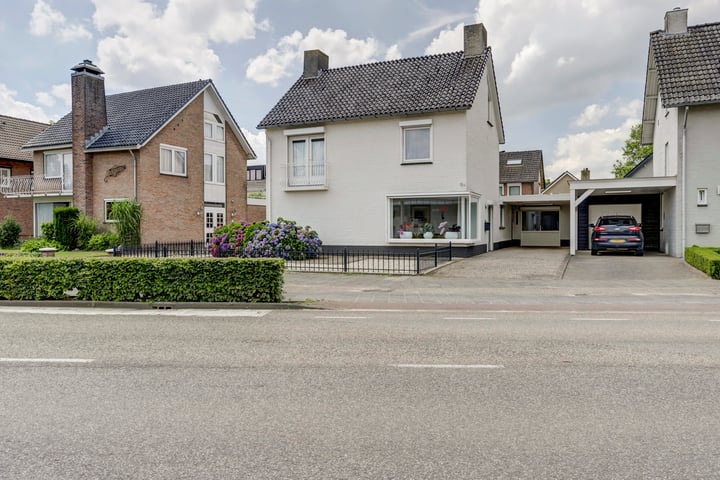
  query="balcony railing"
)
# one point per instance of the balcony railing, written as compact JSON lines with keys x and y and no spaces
{"x":31,"y":186}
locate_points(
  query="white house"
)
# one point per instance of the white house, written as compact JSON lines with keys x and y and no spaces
{"x":681,"y":118}
{"x":369,"y":154}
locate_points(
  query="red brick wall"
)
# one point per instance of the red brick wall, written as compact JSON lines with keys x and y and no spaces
{"x":256,"y":213}
{"x":21,"y":209}
{"x":107,"y":187}
{"x":236,"y":179}
{"x":170,"y":202}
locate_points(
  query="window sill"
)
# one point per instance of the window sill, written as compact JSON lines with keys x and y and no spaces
{"x":181,"y":175}
{"x":418,"y":162}
{"x":300,"y":188}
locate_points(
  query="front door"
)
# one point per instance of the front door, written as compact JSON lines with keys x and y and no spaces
{"x":214,"y":217}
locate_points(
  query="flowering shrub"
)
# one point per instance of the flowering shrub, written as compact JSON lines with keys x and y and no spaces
{"x":280,"y":239}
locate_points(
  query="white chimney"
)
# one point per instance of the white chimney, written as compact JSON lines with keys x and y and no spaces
{"x":676,"y":20}
{"x":474,"y":39}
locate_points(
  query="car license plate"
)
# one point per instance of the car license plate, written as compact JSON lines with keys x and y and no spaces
{"x":617,"y":240}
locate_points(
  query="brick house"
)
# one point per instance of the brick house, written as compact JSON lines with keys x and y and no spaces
{"x":522,"y":173}
{"x":176,"y":149}
{"x":14,"y":161}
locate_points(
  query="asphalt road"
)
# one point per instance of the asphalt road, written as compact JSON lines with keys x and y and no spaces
{"x":344,"y":394}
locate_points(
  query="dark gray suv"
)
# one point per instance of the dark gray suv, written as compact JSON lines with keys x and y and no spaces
{"x":617,"y":232}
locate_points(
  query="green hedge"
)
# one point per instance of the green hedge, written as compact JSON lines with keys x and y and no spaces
{"x":705,"y":259}
{"x":143,"y":280}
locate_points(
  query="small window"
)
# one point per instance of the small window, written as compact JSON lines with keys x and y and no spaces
{"x":514,"y":161}
{"x":501,"y":191}
{"x":702,"y":196}
{"x":417,"y":145}
{"x":214,"y":167}
{"x":219,"y":133}
{"x":502,"y":216}
{"x":53,"y":165}
{"x":173,"y":160}
{"x":208,"y":130}
{"x":109,"y":204}
{"x":514,"y":189}
{"x":209,"y":223}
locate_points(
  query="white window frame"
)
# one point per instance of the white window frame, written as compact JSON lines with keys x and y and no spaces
{"x":173,"y":150}
{"x":702,"y":197}
{"x":215,"y":162}
{"x":212,"y":130}
{"x":510,"y":187}
{"x":45,"y":164}
{"x":5,"y":174}
{"x":413,"y":125}
{"x":308,"y":179}
{"x":107,"y":201}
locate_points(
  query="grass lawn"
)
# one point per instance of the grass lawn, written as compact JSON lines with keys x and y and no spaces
{"x":15,"y":252}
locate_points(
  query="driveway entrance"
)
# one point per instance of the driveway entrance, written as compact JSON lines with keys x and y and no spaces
{"x":625,"y":268}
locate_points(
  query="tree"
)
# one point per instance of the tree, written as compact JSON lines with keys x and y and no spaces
{"x":633,"y":153}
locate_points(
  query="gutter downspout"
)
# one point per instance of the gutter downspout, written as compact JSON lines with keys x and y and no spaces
{"x":684,"y":183}
{"x":134,"y":175}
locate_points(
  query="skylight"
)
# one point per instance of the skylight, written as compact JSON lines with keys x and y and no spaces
{"x":514,"y":161}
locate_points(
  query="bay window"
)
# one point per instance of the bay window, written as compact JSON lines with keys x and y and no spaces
{"x":446,"y":216}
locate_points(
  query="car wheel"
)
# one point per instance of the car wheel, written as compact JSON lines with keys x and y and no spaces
{"x":638,"y":253}
{"x":593,"y":252}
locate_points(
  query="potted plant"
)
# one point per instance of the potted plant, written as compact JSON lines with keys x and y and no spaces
{"x":449,"y":232}
{"x":405,"y":231}
{"x":428,"y":230}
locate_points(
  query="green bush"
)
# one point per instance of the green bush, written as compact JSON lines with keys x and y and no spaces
{"x":705,"y":259}
{"x":65,"y":218}
{"x":48,"y":230}
{"x":85,"y":228}
{"x":34,"y":245}
{"x":9,"y":232}
{"x":102,"y":241}
{"x":143,"y":280}
{"x":128,"y":214}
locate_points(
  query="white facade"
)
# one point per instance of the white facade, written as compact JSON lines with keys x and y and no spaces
{"x":368,"y":184}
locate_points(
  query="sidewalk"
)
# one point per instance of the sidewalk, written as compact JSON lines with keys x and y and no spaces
{"x":541,"y":278}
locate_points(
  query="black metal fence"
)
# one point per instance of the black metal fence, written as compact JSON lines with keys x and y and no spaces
{"x":329,"y":259}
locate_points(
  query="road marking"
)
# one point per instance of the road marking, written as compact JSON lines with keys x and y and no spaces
{"x":341,"y":318}
{"x":411,"y":365}
{"x":46,"y":360}
{"x":182,"y":312}
{"x":469,"y":318}
{"x":601,"y":319}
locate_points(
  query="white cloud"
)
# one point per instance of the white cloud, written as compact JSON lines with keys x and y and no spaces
{"x":525,"y":60}
{"x":286,"y":58}
{"x":57,"y":92}
{"x":592,"y":115}
{"x":149,"y":46}
{"x":448,"y":40}
{"x":631,"y":109}
{"x":596,"y":150}
{"x":9,"y":105}
{"x":257,"y":142}
{"x":45,"y":21}
{"x":393,"y":53}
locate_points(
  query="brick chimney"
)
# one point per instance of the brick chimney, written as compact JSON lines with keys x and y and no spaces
{"x":585,"y":174}
{"x":314,"y":62}
{"x":676,"y":20}
{"x":474,"y":40}
{"x":89,"y":118}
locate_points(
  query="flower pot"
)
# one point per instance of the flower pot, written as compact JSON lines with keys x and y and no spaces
{"x":451,"y":235}
{"x":406,"y":235}
{"x":428,"y":235}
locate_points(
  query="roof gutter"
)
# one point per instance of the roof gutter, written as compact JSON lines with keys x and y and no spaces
{"x":684,"y":182}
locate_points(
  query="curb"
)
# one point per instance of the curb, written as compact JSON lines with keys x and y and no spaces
{"x":160,"y":305}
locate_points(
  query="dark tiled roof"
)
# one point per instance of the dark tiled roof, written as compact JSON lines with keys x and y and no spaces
{"x":14,"y":132}
{"x":399,"y":87}
{"x":530,"y":170}
{"x":688,"y":65}
{"x":133,"y":117}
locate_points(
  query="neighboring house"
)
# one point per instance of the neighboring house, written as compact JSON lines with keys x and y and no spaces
{"x":368,"y":154}
{"x":521,"y":173}
{"x":561,"y":185}
{"x":257,"y":196}
{"x":176,"y":149}
{"x":681,"y":119}
{"x":643,"y":169}
{"x":14,"y":162}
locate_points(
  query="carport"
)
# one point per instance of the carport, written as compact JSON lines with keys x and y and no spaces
{"x":649,"y":197}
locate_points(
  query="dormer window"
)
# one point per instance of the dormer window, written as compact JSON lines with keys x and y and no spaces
{"x":514,"y":161}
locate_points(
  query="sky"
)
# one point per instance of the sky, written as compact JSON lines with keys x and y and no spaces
{"x":570,"y":73}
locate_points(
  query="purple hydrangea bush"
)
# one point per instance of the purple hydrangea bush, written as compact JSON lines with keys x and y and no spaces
{"x":280,"y":239}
